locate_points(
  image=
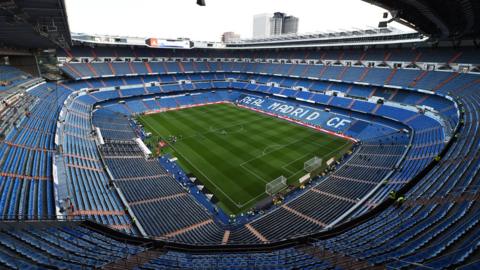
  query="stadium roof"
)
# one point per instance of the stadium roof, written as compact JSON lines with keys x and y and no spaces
{"x":33,"y":24}
{"x":443,"y":19}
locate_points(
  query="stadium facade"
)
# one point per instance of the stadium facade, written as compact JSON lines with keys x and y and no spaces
{"x":82,"y":185}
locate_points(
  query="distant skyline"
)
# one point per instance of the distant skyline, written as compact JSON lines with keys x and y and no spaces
{"x":183,"y":18}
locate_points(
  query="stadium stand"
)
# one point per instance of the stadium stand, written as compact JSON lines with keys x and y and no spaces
{"x":78,"y":189}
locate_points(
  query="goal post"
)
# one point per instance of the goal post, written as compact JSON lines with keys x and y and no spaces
{"x":312,"y":164}
{"x":275,"y":186}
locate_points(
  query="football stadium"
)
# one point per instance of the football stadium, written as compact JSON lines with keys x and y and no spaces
{"x":349,"y":149}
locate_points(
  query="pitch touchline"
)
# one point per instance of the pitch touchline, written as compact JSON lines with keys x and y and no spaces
{"x":242,"y":165}
{"x":261,"y":194}
{"x":253,"y":173}
{"x":191,"y":164}
{"x":209,"y":180}
{"x":283,"y":167}
{"x":301,"y":196}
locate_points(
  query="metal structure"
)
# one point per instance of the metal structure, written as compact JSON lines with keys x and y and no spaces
{"x":452,"y":19}
{"x":275,"y":186}
{"x":34,"y":24}
{"x":312,"y":164}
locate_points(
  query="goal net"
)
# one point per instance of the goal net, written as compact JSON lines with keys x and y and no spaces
{"x":312,"y":164}
{"x":276,"y":185}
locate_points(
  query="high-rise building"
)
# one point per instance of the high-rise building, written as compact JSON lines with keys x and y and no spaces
{"x":229,"y":37}
{"x":261,"y":25}
{"x":266,"y":25}
{"x":290,"y":25}
{"x":276,"y":23}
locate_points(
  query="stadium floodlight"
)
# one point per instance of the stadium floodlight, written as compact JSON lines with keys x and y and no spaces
{"x":201,"y":3}
{"x":275,"y":186}
{"x":312,"y":164}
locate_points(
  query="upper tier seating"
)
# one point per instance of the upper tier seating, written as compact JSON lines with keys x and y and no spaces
{"x":428,"y":55}
{"x":10,"y":77}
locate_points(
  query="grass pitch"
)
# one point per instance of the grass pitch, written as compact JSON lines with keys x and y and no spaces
{"x":234,"y":152}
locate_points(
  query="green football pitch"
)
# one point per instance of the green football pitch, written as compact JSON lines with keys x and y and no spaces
{"x":235,"y":152}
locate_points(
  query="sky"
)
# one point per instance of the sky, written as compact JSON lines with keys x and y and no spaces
{"x":183,"y":18}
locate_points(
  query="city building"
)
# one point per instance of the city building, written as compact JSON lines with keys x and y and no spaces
{"x":290,"y":25}
{"x":276,"y":24}
{"x":266,"y":25}
{"x":261,"y":25}
{"x":229,"y":37}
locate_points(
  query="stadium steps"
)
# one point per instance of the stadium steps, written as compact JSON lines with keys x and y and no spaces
{"x":67,"y":87}
{"x":176,"y":102}
{"x":145,"y":90}
{"x":390,"y":77}
{"x":134,"y":261}
{"x":421,"y":100}
{"x":146,"y":105}
{"x":395,"y":92}
{"x":69,"y":53}
{"x":103,"y":83}
{"x":363,"y":56}
{"x":257,"y":234}
{"x":74,"y":70}
{"x":411,"y":118}
{"x":289,"y":72}
{"x":349,"y":107}
{"x":157,"y":199}
{"x":376,"y":108}
{"x":90,"y":67}
{"x":342,"y":198}
{"x":226,"y":236}
{"x":112,"y":69}
{"x":417,"y":57}
{"x":455,"y":57}
{"x":28,"y":147}
{"x":115,"y":53}
{"x":339,"y":260}
{"x":94,"y":54}
{"x":304,"y":73}
{"x":418,"y":78}
{"x":194,"y":66}
{"x":132,"y":69}
{"x":387,"y":56}
{"x":330,"y":100}
{"x":443,"y":83}
{"x":189,"y":228}
{"x":182,"y":68}
{"x":467,"y":86}
{"x":306,"y":217}
{"x":322,"y":71}
{"x":340,"y":76}
{"x":364,"y":74}
{"x":148,"y":67}
{"x":90,"y":85}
